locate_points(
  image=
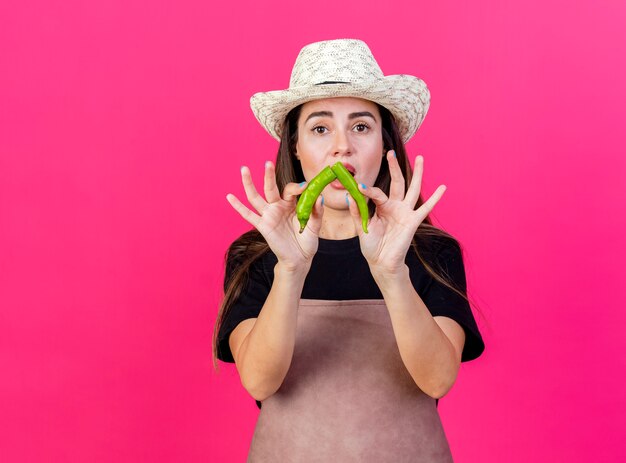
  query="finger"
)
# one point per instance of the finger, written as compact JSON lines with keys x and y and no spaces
{"x":292,"y":190}
{"x":271,"y":190}
{"x":246,"y":213}
{"x":354,"y":213}
{"x":314,"y":225}
{"x":396,"y":189}
{"x":375,"y":194}
{"x":428,"y":206}
{"x":413,"y":192}
{"x":253,"y":196}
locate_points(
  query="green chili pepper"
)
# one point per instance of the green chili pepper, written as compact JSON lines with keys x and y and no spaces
{"x":347,"y":180}
{"x":309,"y":195}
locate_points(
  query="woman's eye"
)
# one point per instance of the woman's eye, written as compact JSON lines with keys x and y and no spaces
{"x":319,"y":129}
{"x":361,"y":127}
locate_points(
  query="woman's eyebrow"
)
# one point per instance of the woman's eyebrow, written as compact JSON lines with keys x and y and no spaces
{"x":361,"y":114}
{"x":319,"y":114}
{"x":330,"y":114}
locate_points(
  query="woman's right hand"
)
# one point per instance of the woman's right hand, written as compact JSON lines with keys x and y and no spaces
{"x":276,"y":219}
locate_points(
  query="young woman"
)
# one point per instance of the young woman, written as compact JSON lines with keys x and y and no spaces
{"x":346,"y":339}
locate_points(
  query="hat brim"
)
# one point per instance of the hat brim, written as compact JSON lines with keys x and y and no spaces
{"x":406,"y":97}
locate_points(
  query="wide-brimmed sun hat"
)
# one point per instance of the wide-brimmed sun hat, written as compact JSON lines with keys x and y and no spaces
{"x":343,"y":68}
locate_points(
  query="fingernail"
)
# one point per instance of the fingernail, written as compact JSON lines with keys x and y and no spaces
{"x":241,"y":169}
{"x":394,"y":154}
{"x":302,"y":183}
{"x":322,"y":200}
{"x":363,"y":186}
{"x":347,"y":201}
{"x":268,"y":164}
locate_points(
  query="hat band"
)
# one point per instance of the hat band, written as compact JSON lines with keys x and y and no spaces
{"x":332,"y":82}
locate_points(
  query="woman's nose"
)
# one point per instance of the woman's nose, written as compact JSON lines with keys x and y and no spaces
{"x":341,"y":143}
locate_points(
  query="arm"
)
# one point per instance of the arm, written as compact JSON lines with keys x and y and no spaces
{"x":263,"y":354}
{"x":263,"y":348}
{"x":430,"y":350}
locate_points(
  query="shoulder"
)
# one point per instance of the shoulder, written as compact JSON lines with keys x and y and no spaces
{"x":248,"y":254}
{"x":436,"y":246}
{"x":247,"y":248}
{"x":245,"y":244}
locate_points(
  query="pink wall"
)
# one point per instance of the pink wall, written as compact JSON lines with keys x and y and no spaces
{"x":123,"y":126}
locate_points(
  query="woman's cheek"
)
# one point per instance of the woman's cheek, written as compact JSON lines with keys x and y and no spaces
{"x":317,"y":145}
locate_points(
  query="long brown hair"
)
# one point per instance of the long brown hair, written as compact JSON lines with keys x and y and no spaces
{"x":251,"y":245}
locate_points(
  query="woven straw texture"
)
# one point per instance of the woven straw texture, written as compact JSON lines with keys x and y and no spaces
{"x":343,"y":68}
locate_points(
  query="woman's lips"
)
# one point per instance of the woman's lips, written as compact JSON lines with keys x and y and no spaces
{"x":349,"y":168}
{"x":336,"y":184}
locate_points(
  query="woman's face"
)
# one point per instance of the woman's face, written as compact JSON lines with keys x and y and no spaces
{"x":340,"y":129}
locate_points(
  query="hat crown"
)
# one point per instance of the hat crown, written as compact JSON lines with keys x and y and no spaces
{"x":343,"y":60}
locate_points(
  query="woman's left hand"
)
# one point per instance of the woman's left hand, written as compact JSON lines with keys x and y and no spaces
{"x":391,"y":229}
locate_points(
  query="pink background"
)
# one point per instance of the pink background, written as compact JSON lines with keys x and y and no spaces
{"x":123,"y":125}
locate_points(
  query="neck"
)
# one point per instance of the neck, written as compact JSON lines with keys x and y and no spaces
{"x":337,"y":225}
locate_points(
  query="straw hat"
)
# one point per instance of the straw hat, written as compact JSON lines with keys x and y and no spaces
{"x":344,"y":67}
